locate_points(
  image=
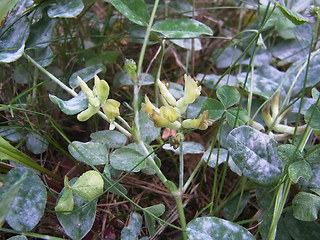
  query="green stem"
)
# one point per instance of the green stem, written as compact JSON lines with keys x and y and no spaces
{"x":139,"y":69}
{"x":146,"y":37}
{"x":195,"y":171}
{"x":182,"y":217}
{"x":181,"y":169}
{"x":53,"y":78}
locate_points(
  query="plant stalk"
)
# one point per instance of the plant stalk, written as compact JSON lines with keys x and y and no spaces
{"x":181,"y":216}
{"x":181,"y":168}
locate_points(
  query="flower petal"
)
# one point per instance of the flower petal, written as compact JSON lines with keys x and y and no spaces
{"x":88,"y":113}
{"x":166,"y":94}
{"x":84,"y":87}
{"x":147,"y":107}
{"x":111,"y":109}
{"x":101,"y":88}
{"x":169,"y":113}
{"x":191,"y":92}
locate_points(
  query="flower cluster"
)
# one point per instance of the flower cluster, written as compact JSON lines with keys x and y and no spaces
{"x":169,"y":114}
{"x":98,"y":98}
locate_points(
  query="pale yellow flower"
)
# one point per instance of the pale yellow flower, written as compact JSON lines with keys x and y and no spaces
{"x":97,"y":98}
{"x":191,"y":92}
{"x":201,"y":123}
{"x":111,"y":109}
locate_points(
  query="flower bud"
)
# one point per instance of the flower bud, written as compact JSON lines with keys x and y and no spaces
{"x":131,"y":68}
{"x":111,"y":109}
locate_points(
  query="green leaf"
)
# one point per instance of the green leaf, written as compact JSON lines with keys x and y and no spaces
{"x":13,"y":38}
{"x":135,"y":10}
{"x":231,"y":115}
{"x":312,"y":156}
{"x":255,"y":153}
{"x":182,"y":7}
{"x":73,"y":105}
{"x":11,"y":133}
{"x":111,"y":138}
{"x":41,"y":33}
{"x":93,"y":152}
{"x":313,"y":111}
{"x":43,"y":56}
{"x":315,"y":93}
{"x":294,"y":71}
{"x":266,"y":81}
{"x":65,"y":8}
{"x":127,"y":159}
{"x":85,"y":74}
{"x":132,"y":231}
{"x":264,"y":197}
{"x":214,"y":107}
{"x":148,"y":131}
{"x":265,"y":219}
{"x":223,"y":155}
{"x":228,"y":57}
{"x":294,"y":17}
{"x":28,"y":206}
{"x":228,"y":95}
{"x":65,"y":202}
{"x":89,"y":185}
{"x":8,"y":193}
{"x":22,"y":74}
{"x":288,"y":153}
{"x":157,"y":210}
{"x":79,"y":222}
{"x":276,"y":20}
{"x":306,"y":206}
{"x":20,"y":237}
{"x":181,"y":28}
{"x":187,"y":148}
{"x":235,"y":206}
{"x":316,"y":190}
{"x":301,"y":230}
{"x":36,"y":143}
{"x":300,"y":169}
{"x":212,"y":228}
{"x":314,"y":181}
